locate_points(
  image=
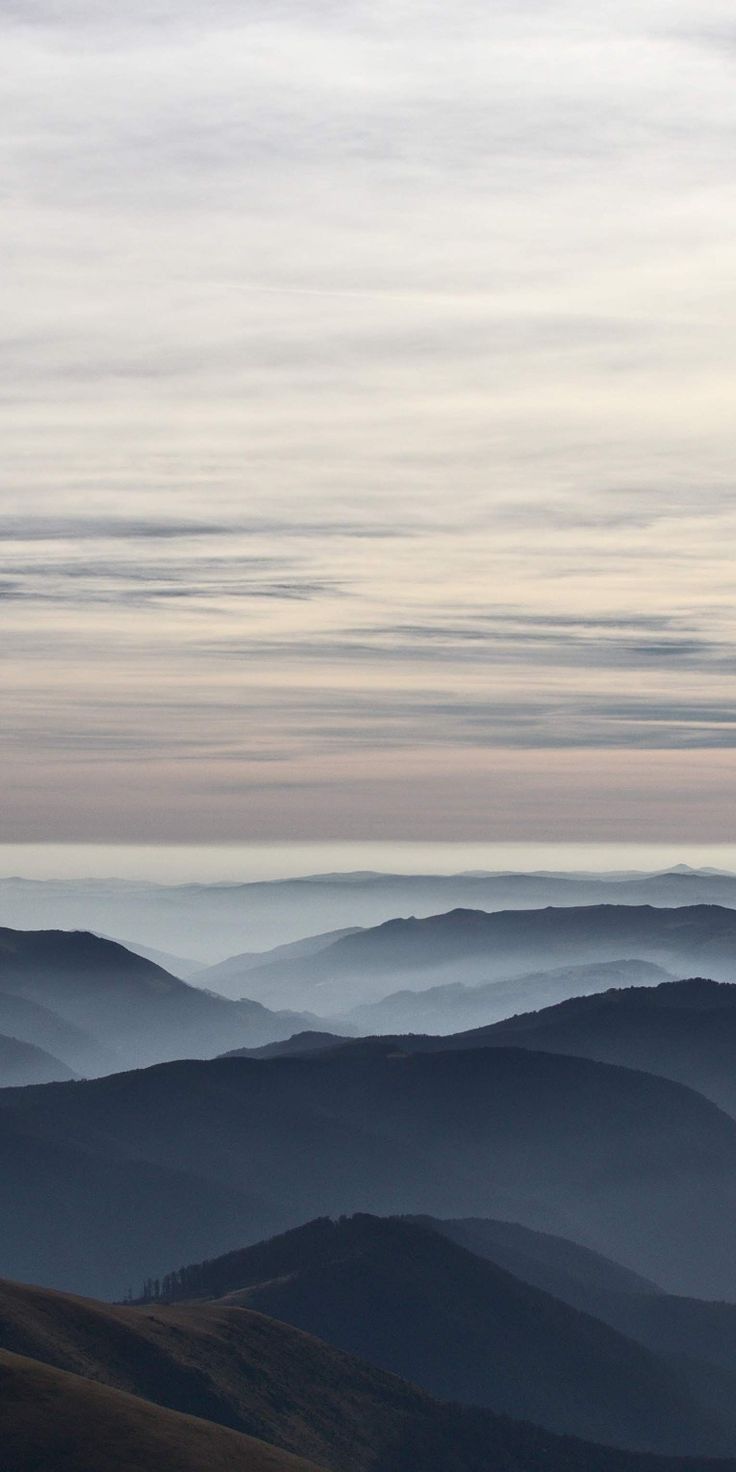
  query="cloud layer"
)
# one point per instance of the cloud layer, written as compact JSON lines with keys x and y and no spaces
{"x":366,"y":385}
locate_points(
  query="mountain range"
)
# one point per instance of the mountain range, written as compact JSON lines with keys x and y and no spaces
{"x":683,"y":1030}
{"x":414,"y":1302}
{"x":98,"y":1007}
{"x":222,"y":1152}
{"x":206,"y":923}
{"x":96,"y":1388}
{"x":473,"y":947}
{"x":446,"y":1009}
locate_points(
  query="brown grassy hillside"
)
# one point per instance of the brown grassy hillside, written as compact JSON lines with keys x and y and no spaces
{"x":51,"y":1419}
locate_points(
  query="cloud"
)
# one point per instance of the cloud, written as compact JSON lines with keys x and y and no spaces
{"x":366,"y":391}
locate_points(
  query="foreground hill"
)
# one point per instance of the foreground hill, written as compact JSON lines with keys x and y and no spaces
{"x":127,"y":1003}
{"x":636,"y":1167}
{"x":471,"y":946}
{"x":50,"y":1419}
{"x":22,"y":1063}
{"x":408,"y":1299}
{"x":256,"y":1376}
{"x":685,"y":1030}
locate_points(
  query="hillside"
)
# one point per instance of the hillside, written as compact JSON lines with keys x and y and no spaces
{"x":683,"y":1030}
{"x":411,"y":1301}
{"x":22,"y":1063}
{"x":125,"y":1003}
{"x":85,"y":1214}
{"x":669,"y":1325}
{"x":43,"y":1028}
{"x":473,"y":947}
{"x":50,"y":1419}
{"x":450,"y":1008}
{"x":269,"y":1380}
{"x":561,"y":1267}
{"x":636,"y":1167}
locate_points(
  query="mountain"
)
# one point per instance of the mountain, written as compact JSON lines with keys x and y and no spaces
{"x":231,"y":976}
{"x":127,"y":1002}
{"x":636,"y":1167}
{"x":559,"y":1266}
{"x":299,"y":1043}
{"x":253,"y":1375}
{"x":210,"y":922}
{"x":688,"y":1328}
{"x":87,"y":1214}
{"x":446,"y":1009}
{"x":31,"y":1023}
{"x":21,"y":1063}
{"x":418,"y":1305}
{"x":50,"y":1419}
{"x":684,"y":1030}
{"x":176,"y":965}
{"x":472,"y":946}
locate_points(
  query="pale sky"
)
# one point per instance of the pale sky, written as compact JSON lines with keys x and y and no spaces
{"x":367,"y":403}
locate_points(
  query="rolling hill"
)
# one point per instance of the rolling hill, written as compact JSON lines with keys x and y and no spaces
{"x":22,"y":1063}
{"x":254,"y":1375}
{"x":692,"y":1328}
{"x":684,"y":1030}
{"x":471,"y":946}
{"x":128,"y":1005}
{"x":51,"y":1419}
{"x":559,"y":1266}
{"x":412,"y":1302}
{"x":636,"y":1167}
{"x":210,"y":922}
{"x":450,"y":1008}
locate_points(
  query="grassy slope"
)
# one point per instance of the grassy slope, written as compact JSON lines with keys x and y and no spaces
{"x":50,"y":1419}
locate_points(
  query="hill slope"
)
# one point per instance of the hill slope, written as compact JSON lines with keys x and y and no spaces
{"x":92,"y":1216}
{"x":557,"y":1265}
{"x":670,"y":1325}
{"x":447,"y":1009}
{"x":127,"y":1002}
{"x":683,"y":1030}
{"x":268,"y":1379}
{"x":470,"y":946}
{"x":636,"y":1167}
{"x":409,"y":1300}
{"x":50,"y":1419}
{"x":23,"y":1063}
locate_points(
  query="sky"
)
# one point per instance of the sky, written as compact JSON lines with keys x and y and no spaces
{"x":367,"y":412}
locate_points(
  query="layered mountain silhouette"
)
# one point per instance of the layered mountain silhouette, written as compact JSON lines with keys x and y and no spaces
{"x":105,"y":1005}
{"x":231,"y":976}
{"x":102,"y":1389}
{"x":561,"y":1267}
{"x":33,"y":1023}
{"x":209,"y":922}
{"x":639,"y":1168}
{"x":88,"y":1213}
{"x":684,"y":1329}
{"x":22,"y":1063}
{"x":471,"y":946}
{"x":684,"y":1030}
{"x":417,"y":1304}
{"x":447,"y":1009}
